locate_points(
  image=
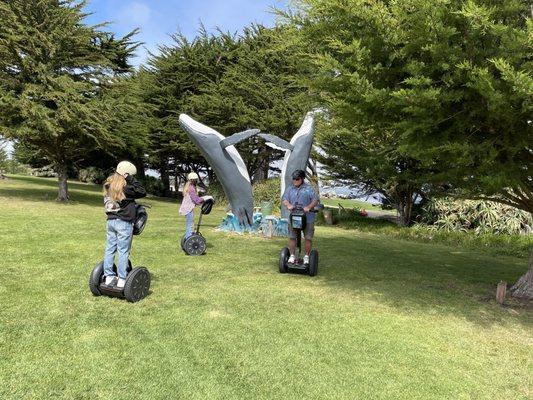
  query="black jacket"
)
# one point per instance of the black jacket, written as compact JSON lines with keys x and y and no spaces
{"x":133,"y":190}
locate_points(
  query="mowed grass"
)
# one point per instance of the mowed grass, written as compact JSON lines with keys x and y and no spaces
{"x":384,"y":319}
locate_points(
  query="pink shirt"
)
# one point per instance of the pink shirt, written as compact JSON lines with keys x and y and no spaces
{"x":190,"y":200}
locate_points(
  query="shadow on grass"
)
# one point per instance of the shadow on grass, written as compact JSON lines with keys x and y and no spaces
{"x":50,"y":195}
{"x":32,"y":188}
{"x":52,"y":182}
{"x":80,"y":193}
{"x":410,"y":275}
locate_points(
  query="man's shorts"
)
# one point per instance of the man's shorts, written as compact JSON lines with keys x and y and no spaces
{"x":309,"y":231}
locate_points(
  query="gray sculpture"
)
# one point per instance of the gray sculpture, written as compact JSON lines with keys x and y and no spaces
{"x":227,"y":164}
{"x":297,"y":156}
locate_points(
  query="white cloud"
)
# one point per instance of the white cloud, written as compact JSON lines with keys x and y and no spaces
{"x":135,"y":13}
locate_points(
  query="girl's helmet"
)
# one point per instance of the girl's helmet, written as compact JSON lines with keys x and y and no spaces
{"x":192,"y":176}
{"x":125,"y":167}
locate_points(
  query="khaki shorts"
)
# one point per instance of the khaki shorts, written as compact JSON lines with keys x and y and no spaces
{"x":309,"y":231}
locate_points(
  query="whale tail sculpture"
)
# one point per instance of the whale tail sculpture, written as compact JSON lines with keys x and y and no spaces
{"x":227,"y":164}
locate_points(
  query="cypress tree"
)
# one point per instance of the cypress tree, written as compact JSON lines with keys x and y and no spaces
{"x":54,"y":69}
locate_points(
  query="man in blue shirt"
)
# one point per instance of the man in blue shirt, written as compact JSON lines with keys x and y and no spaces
{"x":300,"y":194}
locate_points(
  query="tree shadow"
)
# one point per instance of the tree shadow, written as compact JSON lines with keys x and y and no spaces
{"x":410,"y":276}
{"x":50,"y":195}
{"x":52,"y":182}
{"x":45,"y":189}
{"x":39,"y":189}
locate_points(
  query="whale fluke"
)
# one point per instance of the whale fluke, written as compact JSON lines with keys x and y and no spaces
{"x":238,"y":137}
{"x":227,"y":164}
{"x":278,"y":143}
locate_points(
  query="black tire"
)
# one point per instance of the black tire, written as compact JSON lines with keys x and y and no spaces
{"x":313,"y":263}
{"x":137,"y":285}
{"x":183,"y":242}
{"x":195,"y":245}
{"x":96,"y":278}
{"x":283,"y":258}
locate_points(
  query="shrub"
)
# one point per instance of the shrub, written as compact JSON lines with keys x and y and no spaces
{"x":480,"y":217}
{"x":46,"y":172}
{"x":215,"y":189}
{"x":92,"y":175}
{"x":14,"y":167}
{"x":268,"y":190}
{"x":152,"y":185}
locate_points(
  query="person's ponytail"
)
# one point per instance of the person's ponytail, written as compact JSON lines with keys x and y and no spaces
{"x":114,"y":187}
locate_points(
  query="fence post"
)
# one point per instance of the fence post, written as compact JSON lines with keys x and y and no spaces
{"x":328,"y":216}
{"x":500,"y":292}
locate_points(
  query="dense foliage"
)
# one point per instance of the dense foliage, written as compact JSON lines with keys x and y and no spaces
{"x":54,"y":71}
{"x":425,"y":94}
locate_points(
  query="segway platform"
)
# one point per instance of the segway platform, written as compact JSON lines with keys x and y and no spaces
{"x":285,"y":266}
{"x":137,"y":285}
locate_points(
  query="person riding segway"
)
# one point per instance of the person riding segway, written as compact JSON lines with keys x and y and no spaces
{"x":193,"y":243}
{"x":301,"y":200}
{"x":125,"y":218}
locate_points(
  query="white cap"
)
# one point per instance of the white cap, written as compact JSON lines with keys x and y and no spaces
{"x":125,"y":167}
{"x":192,"y":175}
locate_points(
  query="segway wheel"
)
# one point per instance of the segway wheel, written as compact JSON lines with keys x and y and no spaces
{"x":195,"y":245}
{"x":313,"y":263}
{"x":183,"y":243}
{"x":283,"y":258}
{"x":137,"y":284}
{"x":95,"y":278}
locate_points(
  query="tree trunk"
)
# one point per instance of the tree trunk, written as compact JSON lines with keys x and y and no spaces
{"x":405,"y":208}
{"x":523,"y":288}
{"x":261,"y":173}
{"x":266,"y":167}
{"x":139,"y":164}
{"x":62,"y":194}
{"x":176,"y":181}
{"x":163,"y":170}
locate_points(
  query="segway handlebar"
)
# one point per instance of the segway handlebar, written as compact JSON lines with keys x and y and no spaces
{"x":317,"y":208}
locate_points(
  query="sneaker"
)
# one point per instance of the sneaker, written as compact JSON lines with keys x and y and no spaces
{"x":306,"y":259}
{"x":291,"y":259}
{"x":121,"y":283}
{"x":110,"y":280}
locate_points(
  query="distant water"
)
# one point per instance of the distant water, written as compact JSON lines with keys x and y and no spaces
{"x":351,"y":193}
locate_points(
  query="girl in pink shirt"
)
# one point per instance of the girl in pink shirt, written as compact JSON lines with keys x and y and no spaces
{"x":190,"y":200}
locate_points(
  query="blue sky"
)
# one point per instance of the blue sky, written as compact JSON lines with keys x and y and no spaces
{"x":158,"y":19}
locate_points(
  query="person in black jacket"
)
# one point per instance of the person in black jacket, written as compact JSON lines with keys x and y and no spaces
{"x":120,"y":191}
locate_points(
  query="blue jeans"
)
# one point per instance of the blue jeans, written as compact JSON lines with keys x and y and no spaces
{"x":119,"y":238}
{"x":189,"y":222}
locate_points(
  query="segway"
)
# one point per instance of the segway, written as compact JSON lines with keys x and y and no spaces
{"x":137,"y":284}
{"x":196,"y":244}
{"x":297,"y":220}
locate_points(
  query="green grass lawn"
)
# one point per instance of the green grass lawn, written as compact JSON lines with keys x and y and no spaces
{"x":386,"y":318}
